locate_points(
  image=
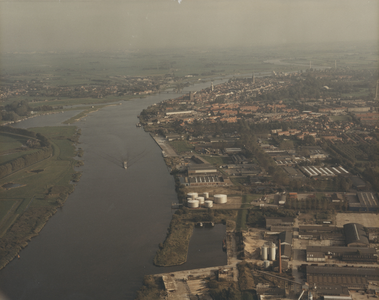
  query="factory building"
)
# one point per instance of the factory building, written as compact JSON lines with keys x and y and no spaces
{"x":367,"y":202}
{"x":350,"y":254}
{"x":355,"y":235}
{"x":286,"y":237}
{"x":279,"y":221}
{"x":320,"y":233}
{"x":350,"y":277}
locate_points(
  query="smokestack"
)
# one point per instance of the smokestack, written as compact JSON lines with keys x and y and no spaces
{"x":280,"y":257}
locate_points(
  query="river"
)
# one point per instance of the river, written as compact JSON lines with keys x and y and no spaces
{"x":103,"y":241}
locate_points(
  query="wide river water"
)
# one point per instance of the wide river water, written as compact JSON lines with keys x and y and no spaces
{"x":103,"y":241}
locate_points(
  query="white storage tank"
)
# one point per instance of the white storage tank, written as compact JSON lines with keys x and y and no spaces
{"x":206,"y":195}
{"x":266,"y":264}
{"x":193,"y":203}
{"x":208,"y":203}
{"x":201,"y":200}
{"x":264,"y":252}
{"x":192,"y":195}
{"x":272,"y":252}
{"x":220,"y":198}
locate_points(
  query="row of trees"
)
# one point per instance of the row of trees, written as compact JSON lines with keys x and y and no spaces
{"x":17,"y":109}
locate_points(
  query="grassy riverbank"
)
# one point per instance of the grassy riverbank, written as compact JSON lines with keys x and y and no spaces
{"x":33,"y":194}
{"x":174,"y":250}
{"x":85,"y":112}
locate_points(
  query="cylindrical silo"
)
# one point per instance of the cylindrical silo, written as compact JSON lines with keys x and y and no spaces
{"x":264,"y":252}
{"x":220,"y":198}
{"x":208,"y":203}
{"x":272,"y":252}
{"x":266,"y":264}
{"x":201,"y":200}
{"x":192,"y":195}
{"x":193,"y":203}
{"x":206,"y":195}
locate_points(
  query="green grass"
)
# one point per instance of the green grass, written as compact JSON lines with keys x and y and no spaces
{"x":11,"y":147}
{"x":175,"y":248}
{"x":341,"y":118}
{"x":40,"y":194}
{"x":83,"y":114}
{"x":11,"y":156}
{"x":239,"y":180}
{"x":216,"y":160}
{"x":242,"y":213}
{"x":10,"y":142}
{"x":5,"y":206}
{"x":181,"y":146}
{"x":360,"y":93}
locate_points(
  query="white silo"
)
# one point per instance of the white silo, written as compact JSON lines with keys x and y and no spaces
{"x":206,"y":195}
{"x":266,"y":264}
{"x":193,"y":203}
{"x":208,"y":203}
{"x":192,"y":195}
{"x":264,"y":252}
{"x":272,"y":252}
{"x":201,"y":200}
{"x":220,"y":198}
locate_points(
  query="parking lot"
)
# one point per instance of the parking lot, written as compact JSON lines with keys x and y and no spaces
{"x":366,"y":219}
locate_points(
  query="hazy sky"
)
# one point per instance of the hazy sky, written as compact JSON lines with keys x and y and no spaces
{"x":129,"y":25}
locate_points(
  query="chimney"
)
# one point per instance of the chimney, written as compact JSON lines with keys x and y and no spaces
{"x":280,"y":257}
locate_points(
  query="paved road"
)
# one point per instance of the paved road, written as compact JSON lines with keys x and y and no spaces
{"x":167,"y":150}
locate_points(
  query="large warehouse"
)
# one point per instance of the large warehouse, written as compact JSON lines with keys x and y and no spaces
{"x":351,"y":277}
{"x":355,"y":235}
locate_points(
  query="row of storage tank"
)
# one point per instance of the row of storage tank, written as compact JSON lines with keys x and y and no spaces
{"x":269,"y":252}
{"x":194,"y":200}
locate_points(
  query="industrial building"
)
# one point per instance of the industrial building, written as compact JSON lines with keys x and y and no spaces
{"x":367,"y":202}
{"x":279,"y":221}
{"x":350,"y":277}
{"x":320,"y":233}
{"x":201,"y":169}
{"x":315,"y":171}
{"x":355,"y":235}
{"x":285,"y":237}
{"x":351,"y":254}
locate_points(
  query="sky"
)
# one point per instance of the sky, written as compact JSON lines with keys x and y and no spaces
{"x":148,"y":24}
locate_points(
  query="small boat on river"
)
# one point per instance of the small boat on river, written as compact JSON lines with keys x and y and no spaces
{"x":125,"y":164}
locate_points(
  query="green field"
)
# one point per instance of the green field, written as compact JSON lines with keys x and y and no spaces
{"x":12,"y":147}
{"x":217,"y":160}
{"x":181,"y":146}
{"x":42,"y":188}
{"x":10,"y":142}
{"x":341,"y":118}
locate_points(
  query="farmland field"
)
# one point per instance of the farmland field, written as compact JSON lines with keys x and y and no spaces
{"x":31,"y":195}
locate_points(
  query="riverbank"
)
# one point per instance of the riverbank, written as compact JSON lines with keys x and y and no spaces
{"x":41,"y":189}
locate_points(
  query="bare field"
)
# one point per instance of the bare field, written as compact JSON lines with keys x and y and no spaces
{"x":253,"y":242}
{"x":366,"y":219}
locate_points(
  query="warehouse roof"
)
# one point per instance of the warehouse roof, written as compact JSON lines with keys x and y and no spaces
{"x":355,"y":234}
{"x":326,"y":249}
{"x":371,"y":273}
{"x":285,"y":237}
